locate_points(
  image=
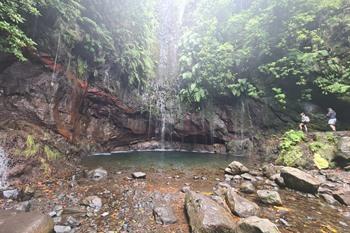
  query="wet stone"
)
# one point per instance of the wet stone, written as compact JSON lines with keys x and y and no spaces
{"x":97,"y":174}
{"x":139,"y":175}
{"x":236,"y":168}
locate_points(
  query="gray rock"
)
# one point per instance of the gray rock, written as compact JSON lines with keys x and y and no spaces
{"x":344,"y":148}
{"x":247,"y":187}
{"x":299,"y":180}
{"x":11,"y":194}
{"x":164,"y":215}
{"x":62,"y":229}
{"x":207,"y":216}
{"x":20,"y":222}
{"x":94,"y":202}
{"x":139,"y":175}
{"x":97,"y":174}
{"x":247,"y":176}
{"x":239,"y":205}
{"x":269,"y":197}
{"x":73,"y":222}
{"x":270,"y":170}
{"x":329,"y":199}
{"x":343,"y":197}
{"x":254,"y":224}
{"x":185,"y":189}
{"x":23,"y":206}
{"x":236,"y":168}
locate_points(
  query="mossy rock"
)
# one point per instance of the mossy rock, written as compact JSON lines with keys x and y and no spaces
{"x":317,"y":150}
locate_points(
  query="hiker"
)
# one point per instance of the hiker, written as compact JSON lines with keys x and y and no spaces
{"x":304,"y":121}
{"x":332,"y":118}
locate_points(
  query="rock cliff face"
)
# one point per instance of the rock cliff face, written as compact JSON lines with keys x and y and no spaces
{"x":33,"y":96}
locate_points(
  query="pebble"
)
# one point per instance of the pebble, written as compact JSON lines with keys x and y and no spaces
{"x":62,"y":229}
{"x":284,"y":222}
{"x":104,"y":214}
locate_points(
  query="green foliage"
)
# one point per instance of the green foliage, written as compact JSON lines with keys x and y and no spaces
{"x":12,"y":37}
{"x":291,"y":152}
{"x":52,"y":154}
{"x":291,"y":138}
{"x":32,"y":148}
{"x":294,"y":46}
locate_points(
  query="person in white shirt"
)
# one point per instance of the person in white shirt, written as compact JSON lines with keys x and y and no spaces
{"x":304,"y":121}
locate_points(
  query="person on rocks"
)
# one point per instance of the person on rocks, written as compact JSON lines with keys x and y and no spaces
{"x":304,"y":121}
{"x":332,"y":118}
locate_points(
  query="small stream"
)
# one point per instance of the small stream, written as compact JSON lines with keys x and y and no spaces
{"x":169,"y":171}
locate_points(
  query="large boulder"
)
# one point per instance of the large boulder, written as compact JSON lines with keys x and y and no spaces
{"x":239,"y":205}
{"x":299,"y":180}
{"x":20,"y":222}
{"x":207,"y":216}
{"x":344,"y":148}
{"x":254,"y":224}
{"x":236,"y":168}
{"x":269,"y":197}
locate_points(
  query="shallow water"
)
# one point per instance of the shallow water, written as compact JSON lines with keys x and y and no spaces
{"x":162,"y":160}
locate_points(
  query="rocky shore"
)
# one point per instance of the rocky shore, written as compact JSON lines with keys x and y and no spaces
{"x":243,"y":200}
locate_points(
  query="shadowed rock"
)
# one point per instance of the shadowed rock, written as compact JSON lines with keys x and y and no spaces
{"x":207,"y":216}
{"x":19,"y":222}
{"x":299,"y":180}
{"x":97,"y":174}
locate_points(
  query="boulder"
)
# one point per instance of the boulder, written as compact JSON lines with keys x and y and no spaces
{"x":299,"y":180}
{"x":269,"y":197}
{"x":239,"y":205}
{"x":20,"y":222}
{"x":254,"y":224}
{"x":207,"y":216}
{"x":236,"y":168}
{"x":247,"y":187}
{"x":344,"y":148}
{"x":139,"y":175}
{"x":164,"y":215}
{"x":97,"y":174}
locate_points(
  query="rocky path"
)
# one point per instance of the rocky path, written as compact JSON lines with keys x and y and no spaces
{"x":114,"y":201}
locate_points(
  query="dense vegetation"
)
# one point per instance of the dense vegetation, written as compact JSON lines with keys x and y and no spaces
{"x":84,"y":34}
{"x":280,"y":48}
{"x":258,"y":48}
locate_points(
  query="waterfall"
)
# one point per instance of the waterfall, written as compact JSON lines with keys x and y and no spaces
{"x":3,"y":168}
{"x":170,"y":15}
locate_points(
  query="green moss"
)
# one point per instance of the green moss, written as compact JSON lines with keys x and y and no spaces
{"x":52,"y":154}
{"x":320,"y":162}
{"x":291,"y":153}
{"x":290,"y":157}
{"x":31,"y":147}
